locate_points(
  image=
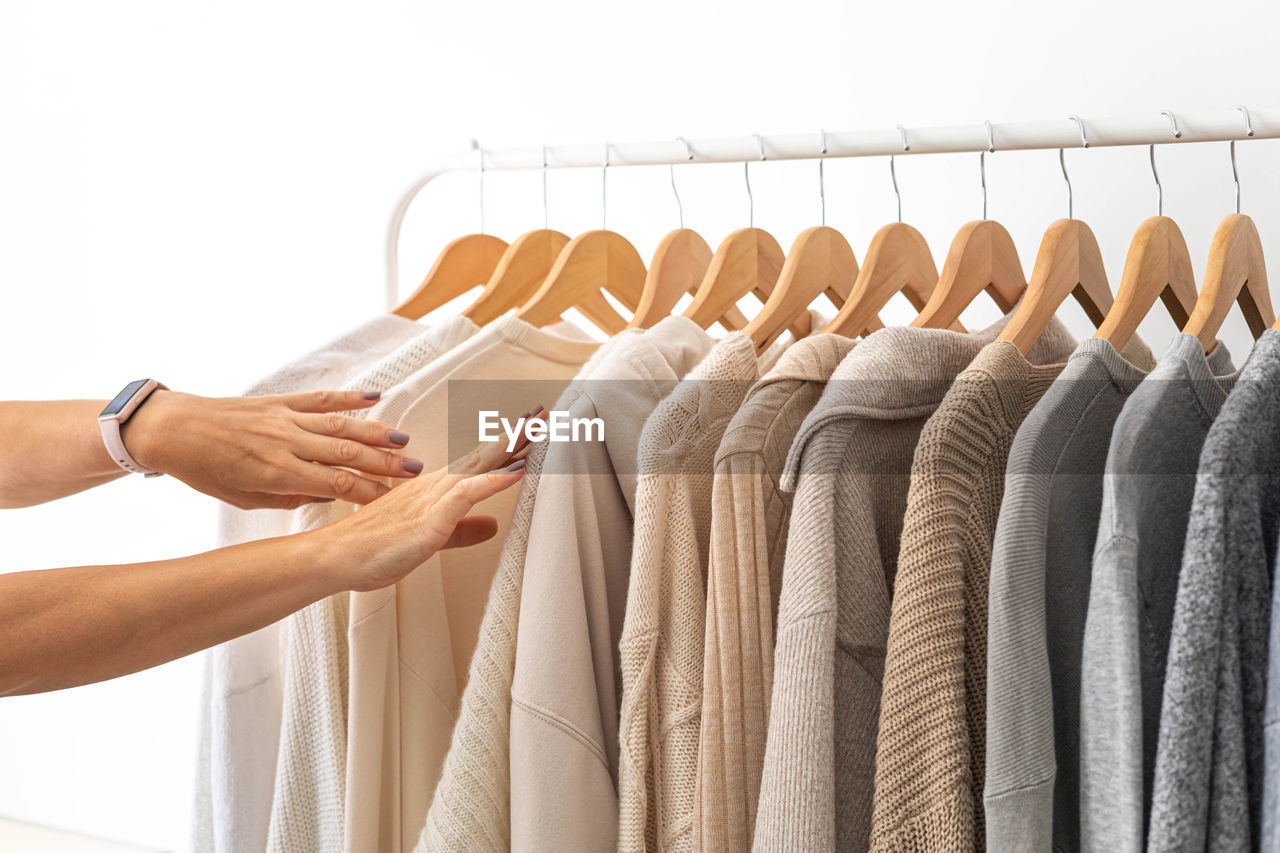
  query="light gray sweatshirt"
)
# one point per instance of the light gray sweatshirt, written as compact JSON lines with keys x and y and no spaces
{"x":1209,"y":762}
{"x":1040,"y":568}
{"x":1146,"y":498}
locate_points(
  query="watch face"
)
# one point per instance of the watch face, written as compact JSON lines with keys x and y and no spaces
{"x":116,"y":405}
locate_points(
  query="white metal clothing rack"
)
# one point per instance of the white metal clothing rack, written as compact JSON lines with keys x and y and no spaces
{"x":1074,"y":132}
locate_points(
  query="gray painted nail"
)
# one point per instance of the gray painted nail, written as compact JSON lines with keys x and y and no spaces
{"x":398,"y":438}
{"x":518,"y":465}
{"x":413,"y":466}
{"x":372,"y":395}
{"x":322,"y":500}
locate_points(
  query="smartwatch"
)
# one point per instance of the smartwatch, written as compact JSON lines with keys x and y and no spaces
{"x":116,"y":413}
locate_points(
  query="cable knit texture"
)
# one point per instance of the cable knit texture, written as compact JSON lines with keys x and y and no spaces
{"x":471,"y":808}
{"x":749,"y":515}
{"x":308,"y":805}
{"x":1146,"y":496}
{"x":242,"y":693}
{"x":1040,"y":566}
{"x":930,"y":744}
{"x":1209,"y":762}
{"x":665,"y":625}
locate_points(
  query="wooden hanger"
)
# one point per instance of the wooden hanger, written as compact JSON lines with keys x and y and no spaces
{"x":523,"y":267}
{"x":898,"y":261}
{"x":464,"y":263}
{"x":982,"y":257}
{"x":1157,"y":265}
{"x":678,"y":267}
{"x":1235,"y":272}
{"x":590,"y":264}
{"x":1069,"y":263}
{"x":820,"y":261}
{"x":749,"y":260}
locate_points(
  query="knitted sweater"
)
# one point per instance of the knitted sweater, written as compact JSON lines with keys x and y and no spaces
{"x":749,"y":515}
{"x":1209,"y":775}
{"x":665,"y":626}
{"x":1040,"y":566}
{"x":1146,"y":497}
{"x":471,"y":808}
{"x":411,"y":642}
{"x":930,"y":747}
{"x":1271,"y":727}
{"x":242,"y":692}
{"x":307,"y":809}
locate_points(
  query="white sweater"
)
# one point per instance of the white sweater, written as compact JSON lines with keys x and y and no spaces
{"x":241,"y":695}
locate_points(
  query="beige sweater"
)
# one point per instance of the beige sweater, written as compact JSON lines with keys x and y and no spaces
{"x":849,"y":467}
{"x":410,"y":643}
{"x":749,"y":515}
{"x":930,"y":747}
{"x":665,"y":626}
{"x":472,"y":808}
{"x":308,"y":805}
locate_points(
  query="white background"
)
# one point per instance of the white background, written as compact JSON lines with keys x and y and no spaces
{"x":199,"y":192}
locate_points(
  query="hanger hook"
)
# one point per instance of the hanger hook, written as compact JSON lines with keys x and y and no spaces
{"x":545,"y":218}
{"x":1084,"y":139}
{"x":893,"y":173}
{"x":688,"y":155}
{"x":1151,"y":155}
{"x":822,"y":185}
{"x":746,"y":177}
{"x":480,"y":153}
{"x":604,"y":189}
{"x":1173,"y":121}
{"x":1248,"y":131}
{"x":1062,"y":161}
{"x":982,"y":165}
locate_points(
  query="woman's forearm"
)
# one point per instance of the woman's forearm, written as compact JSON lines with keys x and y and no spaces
{"x":65,"y":627}
{"x":50,"y":450}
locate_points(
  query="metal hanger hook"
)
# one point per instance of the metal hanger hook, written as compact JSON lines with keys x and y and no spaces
{"x":893,"y":172}
{"x":746,"y":177}
{"x":688,"y":155}
{"x":822,"y":184}
{"x":1248,"y":131}
{"x":1173,"y":121}
{"x":480,"y":153}
{"x":545,"y":218}
{"x":1062,"y":161}
{"x":604,"y":189}
{"x":1084,"y":139}
{"x":982,"y":165}
{"x":1151,"y":155}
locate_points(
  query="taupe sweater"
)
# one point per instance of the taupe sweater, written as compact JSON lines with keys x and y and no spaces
{"x":930,"y":746}
{"x":749,"y":515}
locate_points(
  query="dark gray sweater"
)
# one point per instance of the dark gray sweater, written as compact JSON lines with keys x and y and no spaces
{"x":1209,"y":762}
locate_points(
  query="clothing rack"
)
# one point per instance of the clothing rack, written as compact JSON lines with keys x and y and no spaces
{"x":1161,"y":128}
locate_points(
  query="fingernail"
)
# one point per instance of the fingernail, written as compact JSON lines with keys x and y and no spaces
{"x":322,"y":500}
{"x":535,"y":412}
{"x":518,"y":465}
{"x":372,"y":395}
{"x":398,"y":438}
{"x":413,"y":466}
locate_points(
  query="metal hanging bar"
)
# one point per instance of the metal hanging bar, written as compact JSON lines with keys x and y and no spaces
{"x":1207,"y":126}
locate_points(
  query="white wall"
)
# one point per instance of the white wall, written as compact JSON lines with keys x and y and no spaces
{"x":200,"y":191}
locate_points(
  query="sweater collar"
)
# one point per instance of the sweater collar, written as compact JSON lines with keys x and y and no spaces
{"x":1210,"y":377}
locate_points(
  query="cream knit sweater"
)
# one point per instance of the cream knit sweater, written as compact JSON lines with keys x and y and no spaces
{"x":308,"y":805}
{"x":930,"y":747}
{"x":471,"y":808}
{"x":749,"y":515}
{"x":242,"y":693}
{"x":665,"y":627}
{"x":410,"y":643}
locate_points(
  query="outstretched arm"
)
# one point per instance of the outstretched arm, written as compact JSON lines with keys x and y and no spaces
{"x":65,"y":627}
{"x":280,"y":451}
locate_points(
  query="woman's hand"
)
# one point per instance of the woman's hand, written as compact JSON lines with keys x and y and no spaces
{"x":384,"y":541}
{"x":277,"y":451}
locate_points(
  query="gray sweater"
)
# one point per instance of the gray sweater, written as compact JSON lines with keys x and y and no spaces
{"x":1147,"y":492}
{"x":1209,"y":763}
{"x":1039,"y":592}
{"x":1271,"y":732}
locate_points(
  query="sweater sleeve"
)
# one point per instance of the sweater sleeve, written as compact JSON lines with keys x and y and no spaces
{"x":1111,"y":809}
